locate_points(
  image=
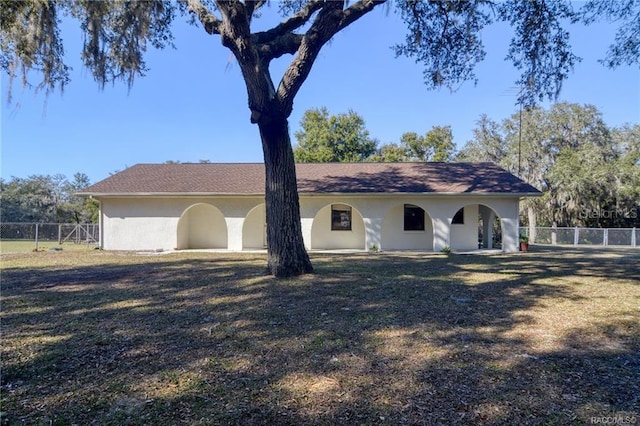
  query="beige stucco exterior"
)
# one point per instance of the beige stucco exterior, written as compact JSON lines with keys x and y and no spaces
{"x":235,"y":223}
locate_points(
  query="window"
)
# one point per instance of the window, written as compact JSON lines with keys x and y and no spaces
{"x":340,"y":218}
{"x":413,"y":218}
{"x":458,"y":218}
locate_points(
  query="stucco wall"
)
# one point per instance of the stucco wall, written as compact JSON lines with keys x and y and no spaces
{"x":202,"y":226}
{"x":152,"y":223}
{"x":142,"y":224}
{"x":394,"y":237}
{"x":465,"y":236}
{"x":254,"y":231}
{"x":440,"y":208}
{"x":323,"y":237}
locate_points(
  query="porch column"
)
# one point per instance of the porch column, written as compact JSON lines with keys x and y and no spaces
{"x":510,"y":235}
{"x":488,"y":217}
{"x":234,"y":233}
{"x":306,"y":223}
{"x":441,"y":233}
{"x":101,"y":224}
{"x":373,"y":232}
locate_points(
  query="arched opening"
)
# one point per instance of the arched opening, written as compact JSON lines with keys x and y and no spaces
{"x":202,"y":226}
{"x":338,"y":226}
{"x":476,"y":226}
{"x":407,"y":227}
{"x":254,"y":229}
{"x":489,"y":228}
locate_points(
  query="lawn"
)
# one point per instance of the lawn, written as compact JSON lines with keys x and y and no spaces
{"x":546,"y":337}
{"x":24,"y":246}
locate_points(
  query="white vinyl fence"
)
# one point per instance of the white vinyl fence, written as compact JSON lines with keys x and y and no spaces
{"x":88,"y":233}
{"x":583,"y":236}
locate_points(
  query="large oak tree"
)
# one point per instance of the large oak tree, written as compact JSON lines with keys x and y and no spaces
{"x":444,"y":36}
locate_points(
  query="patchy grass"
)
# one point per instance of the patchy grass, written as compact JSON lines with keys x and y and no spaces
{"x":24,"y":246}
{"x":546,"y":337}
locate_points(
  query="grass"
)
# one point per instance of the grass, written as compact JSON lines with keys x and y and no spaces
{"x":25,"y":246}
{"x":546,"y":337}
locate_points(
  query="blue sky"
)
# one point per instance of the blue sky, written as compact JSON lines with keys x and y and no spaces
{"x":192,"y":103}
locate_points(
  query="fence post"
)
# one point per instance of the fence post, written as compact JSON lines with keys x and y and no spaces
{"x":36,"y":249}
{"x":59,"y":234}
{"x":576,"y":236}
{"x":633,"y":237}
{"x":605,"y":237}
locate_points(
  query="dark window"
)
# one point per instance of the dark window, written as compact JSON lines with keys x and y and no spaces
{"x":340,"y":218}
{"x":458,"y":218}
{"x":413,"y":218}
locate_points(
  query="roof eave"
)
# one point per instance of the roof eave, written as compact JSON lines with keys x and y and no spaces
{"x":165,"y":194}
{"x":306,"y":194}
{"x":433,"y":194}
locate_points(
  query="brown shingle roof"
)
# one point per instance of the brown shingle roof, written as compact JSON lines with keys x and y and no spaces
{"x":248,"y":178}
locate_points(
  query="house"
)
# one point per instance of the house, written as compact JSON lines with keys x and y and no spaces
{"x":389,"y":206}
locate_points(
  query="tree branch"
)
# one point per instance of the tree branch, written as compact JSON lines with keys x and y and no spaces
{"x":331,"y":19}
{"x":236,"y":36}
{"x":208,"y":20}
{"x":293,"y":23}
{"x":281,"y":39}
{"x":252,"y":6}
{"x":357,"y":10}
{"x":285,"y":44}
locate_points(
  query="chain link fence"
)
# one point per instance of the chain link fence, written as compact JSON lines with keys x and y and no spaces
{"x":21,"y":236}
{"x":29,"y":236}
{"x":583,"y":236}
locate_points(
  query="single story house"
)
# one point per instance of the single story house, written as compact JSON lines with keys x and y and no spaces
{"x":388,"y":206}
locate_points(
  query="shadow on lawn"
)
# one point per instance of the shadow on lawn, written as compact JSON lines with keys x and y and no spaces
{"x":388,"y":339}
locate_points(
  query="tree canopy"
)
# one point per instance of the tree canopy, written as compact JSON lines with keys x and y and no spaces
{"x":588,"y":171}
{"x":443,"y":36}
{"x":46,"y":199}
{"x":436,"y":145}
{"x":327,"y":138}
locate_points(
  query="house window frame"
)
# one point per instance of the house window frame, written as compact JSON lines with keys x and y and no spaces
{"x":422,"y":223}
{"x":458,"y":217}
{"x":341,"y":217}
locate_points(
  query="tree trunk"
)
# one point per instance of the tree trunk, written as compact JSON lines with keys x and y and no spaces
{"x":287,"y":255}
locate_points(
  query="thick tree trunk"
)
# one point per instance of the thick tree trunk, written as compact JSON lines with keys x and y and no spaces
{"x":287,"y":255}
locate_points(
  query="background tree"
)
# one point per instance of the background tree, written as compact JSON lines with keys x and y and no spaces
{"x":488,"y":143}
{"x":29,"y":200}
{"x":436,"y":145}
{"x":583,"y":167}
{"x":79,"y":209}
{"x":627,"y":173}
{"x":46,"y":199}
{"x":444,"y":37}
{"x":325,"y":138}
{"x":389,"y":153}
